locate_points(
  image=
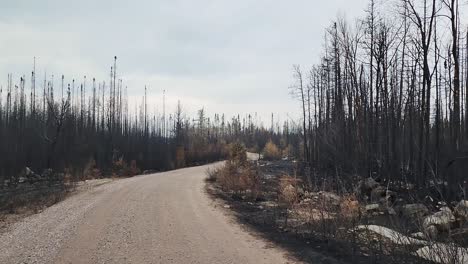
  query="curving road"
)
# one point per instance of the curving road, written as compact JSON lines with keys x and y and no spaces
{"x":159,"y":218}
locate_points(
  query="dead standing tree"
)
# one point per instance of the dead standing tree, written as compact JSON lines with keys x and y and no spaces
{"x":299,"y":90}
{"x":424,"y":23}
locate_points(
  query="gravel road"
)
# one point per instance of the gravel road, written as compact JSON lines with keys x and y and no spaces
{"x":159,"y":218}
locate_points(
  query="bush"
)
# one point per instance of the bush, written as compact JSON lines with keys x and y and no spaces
{"x":121,"y":168}
{"x":238,"y":179}
{"x":288,"y":190}
{"x":271,"y":151}
{"x":237,"y":154}
{"x":212,"y":174}
{"x":91,"y":171}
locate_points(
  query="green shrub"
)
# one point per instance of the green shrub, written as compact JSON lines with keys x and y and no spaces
{"x":237,"y":153}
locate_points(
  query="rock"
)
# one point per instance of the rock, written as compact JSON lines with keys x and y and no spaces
{"x":431,"y":232}
{"x":418,"y":235}
{"x":459,"y":234}
{"x":391,"y":211}
{"x":331,"y":198}
{"x":394,"y":236}
{"x":366,"y":186}
{"x":370,"y":208}
{"x":391,"y":198}
{"x":461,"y":210}
{"x":150,"y":172}
{"x":28,"y":172}
{"x":47,"y":174}
{"x":309,"y":194}
{"x":414,"y":211}
{"x":443,"y":253}
{"x":22,"y":179}
{"x":378,"y":193}
{"x":300,"y":191}
{"x":438,"y":222}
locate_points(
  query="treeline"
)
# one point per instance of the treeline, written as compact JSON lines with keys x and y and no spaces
{"x":389,"y":95}
{"x":87,"y":127}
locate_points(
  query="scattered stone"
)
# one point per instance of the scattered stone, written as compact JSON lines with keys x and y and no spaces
{"x":390,"y":198}
{"x":442,"y":219}
{"x":331,"y":198}
{"x":431,"y":232}
{"x":370,"y":208}
{"x":418,"y":235}
{"x":378,"y":193}
{"x":47,"y":174}
{"x":393,"y":235}
{"x":438,"y":222}
{"x":366,"y":186}
{"x":444,"y":253}
{"x":300,"y":191}
{"x":146,"y":172}
{"x":22,"y":179}
{"x":391,"y":211}
{"x":414,"y":211}
{"x":460,"y":234}
{"x":461,"y":210}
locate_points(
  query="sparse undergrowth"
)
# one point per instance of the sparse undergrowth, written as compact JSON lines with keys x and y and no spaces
{"x":353,"y":227}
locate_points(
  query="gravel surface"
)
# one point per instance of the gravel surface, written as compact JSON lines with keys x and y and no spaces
{"x":158,"y":218}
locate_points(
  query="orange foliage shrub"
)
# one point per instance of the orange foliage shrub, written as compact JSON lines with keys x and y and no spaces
{"x":271,"y":151}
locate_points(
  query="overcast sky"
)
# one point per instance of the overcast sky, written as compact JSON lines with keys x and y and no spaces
{"x":227,"y":56}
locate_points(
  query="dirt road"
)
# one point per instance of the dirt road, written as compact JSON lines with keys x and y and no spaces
{"x":159,"y":218}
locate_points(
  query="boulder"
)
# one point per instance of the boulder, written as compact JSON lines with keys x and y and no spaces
{"x":372,"y":208}
{"x":431,"y":232}
{"x":378,"y":194}
{"x":438,"y":222}
{"x":391,"y":211}
{"x":22,"y":179}
{"x":47,"y":174}
{"x":300,"y":191}
{"x":461,"y":210}
{"x":366,"y":186}
{"x":418,"y":235}
{"x":330,"y":198}
{"x":414,"y":211}
{"x":28,"y":172}
{"x":390,"y":198}
{"x":460,"y":234}
{"x":28,"y":175}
